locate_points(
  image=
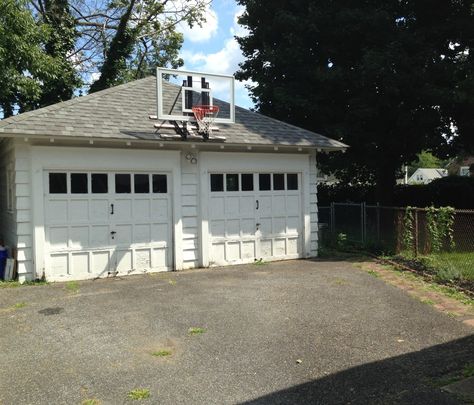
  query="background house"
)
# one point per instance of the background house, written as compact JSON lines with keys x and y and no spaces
{"x":425,"y":176}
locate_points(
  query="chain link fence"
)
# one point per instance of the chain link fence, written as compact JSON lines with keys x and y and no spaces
{"x":419,"y":236}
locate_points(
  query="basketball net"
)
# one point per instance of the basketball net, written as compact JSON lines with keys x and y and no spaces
{"x":205,"y":116}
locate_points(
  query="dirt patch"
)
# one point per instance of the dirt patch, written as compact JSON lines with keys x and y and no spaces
{"x":425,"y":292}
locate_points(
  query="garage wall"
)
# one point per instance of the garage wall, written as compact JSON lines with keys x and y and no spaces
{"x":313,"y":199}
{"x":7,"y":213}
{"x":189,"y":210}
{"x":16,"y":225}
{"x":24,"y":211}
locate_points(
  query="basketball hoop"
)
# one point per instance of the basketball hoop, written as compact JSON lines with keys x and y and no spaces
{"x":205,"y":116}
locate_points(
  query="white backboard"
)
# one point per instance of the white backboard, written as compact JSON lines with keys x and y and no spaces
{"x":179,"y":90}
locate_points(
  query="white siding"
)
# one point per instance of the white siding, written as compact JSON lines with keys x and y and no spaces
{"x":189,"y":210}
{"x":313,"y":199}
{"x":16,"y":226}
{"x":7,"y":216}
{"x":23,"y":212}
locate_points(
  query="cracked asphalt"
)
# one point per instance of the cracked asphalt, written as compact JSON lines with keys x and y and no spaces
{"x":294,"y":332}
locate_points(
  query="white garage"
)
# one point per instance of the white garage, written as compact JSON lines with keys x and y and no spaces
{"x":102,"y":223}
{"x":94,"y":188}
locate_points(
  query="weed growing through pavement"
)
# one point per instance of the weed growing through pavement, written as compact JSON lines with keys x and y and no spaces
{"x":92,"y":401}
{"x":196,"y":331}
{"x":72,"y":286}
{"x":139,"y":394}
{"x":162,"y":353}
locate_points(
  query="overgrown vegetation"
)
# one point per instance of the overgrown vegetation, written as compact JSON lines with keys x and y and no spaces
{"x":452,"y":191}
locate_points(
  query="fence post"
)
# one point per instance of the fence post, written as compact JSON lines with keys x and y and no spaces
{"x":416,"y":232}
{"x":378,"y":221}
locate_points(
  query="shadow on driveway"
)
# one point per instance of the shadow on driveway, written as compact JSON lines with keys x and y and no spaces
{"x":414,"y":378}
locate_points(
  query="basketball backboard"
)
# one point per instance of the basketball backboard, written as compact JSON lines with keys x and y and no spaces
{"x":178,"y":91}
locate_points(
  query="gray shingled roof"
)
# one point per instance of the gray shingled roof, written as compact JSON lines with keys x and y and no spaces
{"x":122,"y":112}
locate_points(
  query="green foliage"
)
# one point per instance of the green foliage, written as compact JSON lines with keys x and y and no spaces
{"x":440,"y":222}
{"x":408,"y":238}
{"x":427,"y":160}
{"x":379,"y":76}
{"x":139,"y":394}
{"x":60,"y":45}
{"x":24,"y":63}
{"x":454,"y":191}
{"x":144,"y":38}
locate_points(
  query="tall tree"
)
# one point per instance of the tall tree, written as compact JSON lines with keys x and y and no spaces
{"x":24,"y":64}
{"x":60,"y":45}
{"x":378,"y":75}
{"x":136,"y":35}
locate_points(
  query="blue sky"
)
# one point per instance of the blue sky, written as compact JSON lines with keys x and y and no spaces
{"x":212,"y":47}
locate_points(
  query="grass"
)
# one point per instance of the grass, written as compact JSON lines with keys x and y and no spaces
{"x":259,"y":262}
{"x":340,"y":281}
{"x":449,"y":266}
{"x":139,"y":394}
{"x":373,"y":273}
{"x":15,"y":284}
{"x":446,"y":266}
{"x":430,"y":286}
{"x":196,"y":331}
{"x":468,"y":370}
{"x":162,"y":353}
{"x":72,"y":286}
{"x":427,"y":301}
{"x":92,"y":401}
{"x":19,"y":305}
{"x":171,"y":282}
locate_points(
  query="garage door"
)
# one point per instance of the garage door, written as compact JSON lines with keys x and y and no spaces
{"x":254,"y":216}
{"x":98,"y":224}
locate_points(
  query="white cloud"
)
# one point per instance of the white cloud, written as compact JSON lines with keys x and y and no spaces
{"x":238,"y":29}
{"x":201,"y":33}
{"x":225,"y":61}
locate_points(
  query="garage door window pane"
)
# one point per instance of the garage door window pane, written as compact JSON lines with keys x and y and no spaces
{"x":99,"y":183}
{"x":159,"y":183}
{"x":57,"y":183}
{"x":247,"y":182}
{"x":278,"y":181}
{"x":292,"y":181}
{"x":264,"y":181}
{"x":122,"y":184}
{"x":232,"y":182}
{"x":79,"y":183}
{"x":142,"y":183}
{"x":217,"y":182}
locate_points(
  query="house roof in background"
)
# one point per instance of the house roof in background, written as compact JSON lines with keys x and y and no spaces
{"x":122,"y":112}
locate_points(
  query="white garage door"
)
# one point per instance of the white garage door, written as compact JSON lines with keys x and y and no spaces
{"x":254,"y":216}
{"x":98,"y":224}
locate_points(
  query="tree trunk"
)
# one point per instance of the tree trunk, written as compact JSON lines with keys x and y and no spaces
{"x":120,"y":49}
{"x":385,"y":183}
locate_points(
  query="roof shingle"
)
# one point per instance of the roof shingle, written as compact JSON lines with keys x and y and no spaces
{"x":122,"y":112}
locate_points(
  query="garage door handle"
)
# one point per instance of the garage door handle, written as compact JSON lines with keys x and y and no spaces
{"x":257,"y":205}
{"x":111,"y":209}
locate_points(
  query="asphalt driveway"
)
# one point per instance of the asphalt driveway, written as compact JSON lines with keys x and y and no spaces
{"x":288,"y":332}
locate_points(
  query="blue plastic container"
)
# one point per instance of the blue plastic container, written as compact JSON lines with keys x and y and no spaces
{"x":3,"y":261}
